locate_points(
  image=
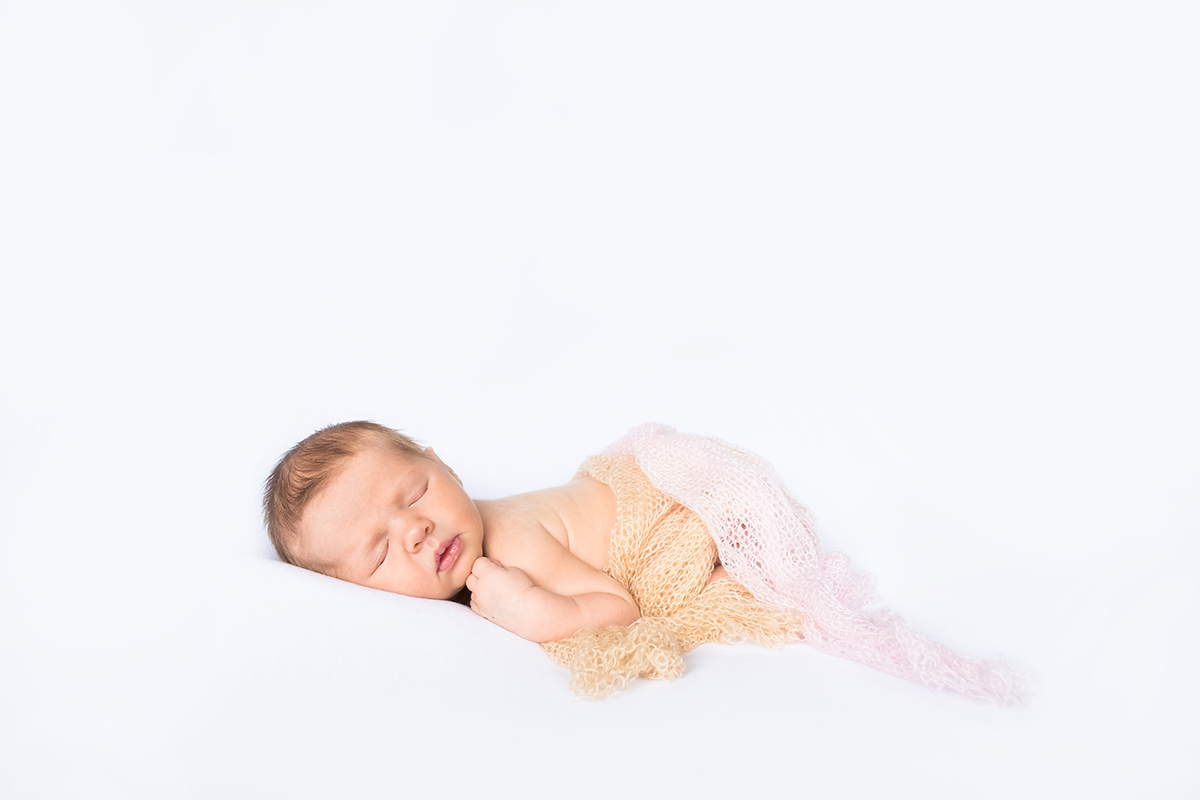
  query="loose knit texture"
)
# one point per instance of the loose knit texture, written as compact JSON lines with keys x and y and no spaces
{"x":680,"y":498}
{"x":663,"y":554}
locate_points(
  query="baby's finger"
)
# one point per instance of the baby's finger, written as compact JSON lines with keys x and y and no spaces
{"x":482,"y":565}
{"x":472,"y":582}
{"x":480,"y":612}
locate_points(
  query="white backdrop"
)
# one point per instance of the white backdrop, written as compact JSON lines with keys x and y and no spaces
{"x":938,"y":264}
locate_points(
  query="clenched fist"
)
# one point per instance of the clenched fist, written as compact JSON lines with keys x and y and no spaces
{"x":505,"y":596}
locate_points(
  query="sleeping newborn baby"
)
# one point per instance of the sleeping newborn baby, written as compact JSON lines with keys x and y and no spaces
{"x":366,"y":504}
{"x":617,"y":572}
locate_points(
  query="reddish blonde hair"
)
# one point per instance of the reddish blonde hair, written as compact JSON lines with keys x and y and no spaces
{"x":306,"y":468}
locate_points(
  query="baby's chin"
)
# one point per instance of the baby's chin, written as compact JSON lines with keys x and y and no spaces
{"x":466,"y":563}
{"x":453,"y":592}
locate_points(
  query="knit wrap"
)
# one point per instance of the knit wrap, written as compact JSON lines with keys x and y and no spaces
{"x":662,"y":553}
{"x":685,"y":501}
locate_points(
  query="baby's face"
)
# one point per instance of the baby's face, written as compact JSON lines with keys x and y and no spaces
{"x":393,"y":521}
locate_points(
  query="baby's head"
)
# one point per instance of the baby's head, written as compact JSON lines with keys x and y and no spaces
{"x":366,"y":504}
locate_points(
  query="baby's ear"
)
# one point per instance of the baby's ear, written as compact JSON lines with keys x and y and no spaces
{"x":429,"y":452}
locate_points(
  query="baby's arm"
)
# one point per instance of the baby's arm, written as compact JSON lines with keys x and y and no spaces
{"x":578,"y":597}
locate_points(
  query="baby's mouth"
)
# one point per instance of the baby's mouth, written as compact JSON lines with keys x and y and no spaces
{"x":448,"y":553}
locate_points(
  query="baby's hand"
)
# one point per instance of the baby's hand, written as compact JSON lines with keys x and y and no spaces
{"x":504,"y":595}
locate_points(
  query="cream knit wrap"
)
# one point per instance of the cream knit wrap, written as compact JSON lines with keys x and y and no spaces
{"x":685,"y":501}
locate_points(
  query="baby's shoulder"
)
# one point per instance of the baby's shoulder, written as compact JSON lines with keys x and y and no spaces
{"x":577,"y":517}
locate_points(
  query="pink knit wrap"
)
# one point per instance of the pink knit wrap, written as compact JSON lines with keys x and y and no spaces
{"x":768,"y":543}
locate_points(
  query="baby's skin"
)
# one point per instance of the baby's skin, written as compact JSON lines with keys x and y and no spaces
{"x":533,"y":562}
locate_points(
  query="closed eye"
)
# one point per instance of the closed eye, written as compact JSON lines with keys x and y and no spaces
{"x":387,"y":546}
{"x":421,"y":493}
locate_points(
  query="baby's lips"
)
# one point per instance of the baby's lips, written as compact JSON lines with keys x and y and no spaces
{"x":442,"y":561}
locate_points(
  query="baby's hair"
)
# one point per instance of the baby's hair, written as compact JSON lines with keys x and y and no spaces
{"x":306,"y":468}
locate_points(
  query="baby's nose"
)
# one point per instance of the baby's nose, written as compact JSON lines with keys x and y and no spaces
{"x":417,"y":531}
